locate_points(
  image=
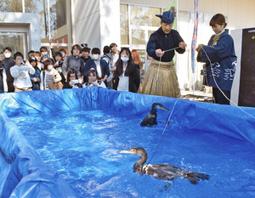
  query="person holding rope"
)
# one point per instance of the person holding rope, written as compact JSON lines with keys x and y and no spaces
{"x":161,"y":78}
{"x":220,"y":58}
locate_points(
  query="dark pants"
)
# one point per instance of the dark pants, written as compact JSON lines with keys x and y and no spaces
{"x":10,"y":86}
{"x":1,"y":84}
{"x":219,"y":97}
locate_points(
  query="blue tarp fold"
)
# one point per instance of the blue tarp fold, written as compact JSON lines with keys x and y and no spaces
{"x":23,"y":174}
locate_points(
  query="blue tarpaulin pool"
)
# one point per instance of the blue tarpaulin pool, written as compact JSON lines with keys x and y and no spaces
{"x":66,"y":143}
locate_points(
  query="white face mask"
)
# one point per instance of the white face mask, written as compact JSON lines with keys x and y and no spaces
{"x":7,"y":54}
{"x":50,"y":67}
{"x":44,"y":53}
{"x":124,"y":59}
{"x":95,"y":56}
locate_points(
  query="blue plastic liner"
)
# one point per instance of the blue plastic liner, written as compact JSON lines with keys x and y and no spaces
{"x":23,"y":174}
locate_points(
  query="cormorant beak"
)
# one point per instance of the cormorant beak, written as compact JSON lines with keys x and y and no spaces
{"x":127,"y":152}
{"x":162,"y":108}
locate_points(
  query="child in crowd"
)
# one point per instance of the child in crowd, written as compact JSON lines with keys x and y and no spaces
{"x":73,"y":80}
{"x":52,"y":79}
{"x":92,"y":79}
{"x":20,"y":72}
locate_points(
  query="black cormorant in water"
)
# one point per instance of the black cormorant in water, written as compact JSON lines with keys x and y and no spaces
{"x":151,"y":118}
{"x":162,"y":171}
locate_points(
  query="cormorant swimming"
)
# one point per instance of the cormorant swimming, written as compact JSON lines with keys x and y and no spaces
{"x":162,"y":171}
{"x":151,"y":118}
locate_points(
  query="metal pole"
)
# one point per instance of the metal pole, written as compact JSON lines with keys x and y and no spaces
{"x":45,"y":18}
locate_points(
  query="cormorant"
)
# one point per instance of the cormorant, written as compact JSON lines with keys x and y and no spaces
{"x":151,"y":118}
{"x":162,"y":171}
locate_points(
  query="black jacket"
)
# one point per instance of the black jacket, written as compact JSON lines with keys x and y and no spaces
{"x":163,"y":41}
{"x":91,"y":64}
{"x":132,"y":72}
{"x":7,"y":64}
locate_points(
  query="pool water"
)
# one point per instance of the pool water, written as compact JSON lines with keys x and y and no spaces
{"x":83,"y":148}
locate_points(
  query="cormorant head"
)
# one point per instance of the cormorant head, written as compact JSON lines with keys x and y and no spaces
{"x":135,"y":151}
{"x":138,"y":166}
{"x":156,"y":106}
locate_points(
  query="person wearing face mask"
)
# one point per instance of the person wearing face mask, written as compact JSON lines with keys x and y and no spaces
{"x":160,"y":78}
{"x":8,"y":63}
{"x":74,"y":62}
{"x":99,"y":64}
{"x":63,"y":52}
{"x":52,"y":79}
{"x":126,"y":77}
{"x":44,"y":53}
{"x":221,"y":52}
{"x":21,"y":74}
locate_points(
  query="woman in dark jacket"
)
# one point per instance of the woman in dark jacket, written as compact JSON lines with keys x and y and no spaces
{"x":220,"y":69}
{"x":126,"y":77}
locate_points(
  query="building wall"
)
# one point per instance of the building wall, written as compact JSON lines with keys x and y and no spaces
{"x":151,"y":3}
{"x":96,"y":22}
{"x":110,"y":22}
{"x":86,"y":22}
{"x":32,"y":20}
{"x":240,"y":13}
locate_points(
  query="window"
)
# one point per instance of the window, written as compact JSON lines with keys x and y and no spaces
{"x":138,"y":37}
{"x":54,"y":22}
{"x":124,"y":25}
{"x":144,"y":16}
{"x":32,"y":5}
{"x":11,"y":6}
{"x":61,"y":13}
{"x":137,"y":24}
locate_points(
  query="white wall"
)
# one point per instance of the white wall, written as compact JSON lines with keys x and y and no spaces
{"x":150,"y":3}
{"x":32,"y":20}
{"x":86,"y":22}
{"x":240,"y":13}
{"x":96,"y":22}
{"x":110,"y":22}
